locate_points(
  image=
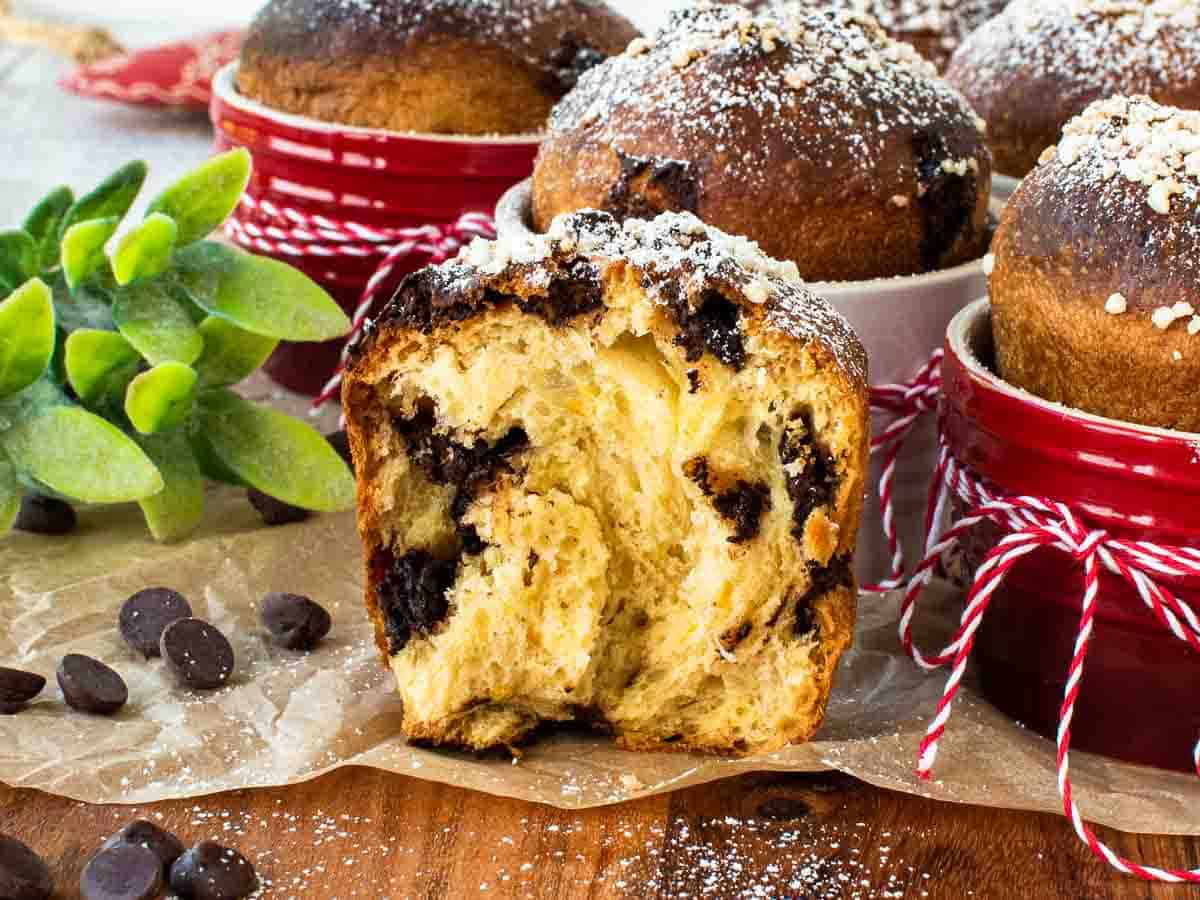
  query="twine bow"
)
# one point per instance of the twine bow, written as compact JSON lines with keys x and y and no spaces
{"x":264,"y":227}
{"x":1029,"y":524}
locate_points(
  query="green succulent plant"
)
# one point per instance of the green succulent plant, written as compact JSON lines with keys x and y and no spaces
{"x":117,"y":356}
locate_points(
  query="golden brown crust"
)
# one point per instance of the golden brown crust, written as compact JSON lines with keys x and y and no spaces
{"x":1084,"y":262}
{"x":433,"y":66}
{"x":852,"y":165}
{"x":1036,"y":65}
{"x":933,"y":27}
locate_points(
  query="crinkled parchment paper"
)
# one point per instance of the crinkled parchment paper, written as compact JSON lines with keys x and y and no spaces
{"x":286,"y":717}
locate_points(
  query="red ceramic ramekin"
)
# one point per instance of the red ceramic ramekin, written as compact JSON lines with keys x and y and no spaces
{"x":1140,"y":696}
{"x":377,"y":178}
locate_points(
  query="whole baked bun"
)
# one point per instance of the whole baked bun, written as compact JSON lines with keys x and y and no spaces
{"x":1095,"y":285}
{"x":817,"y":135}
{"x":1040,"y":62}
{"x":465,"y":67}
{"x":934,"y":28}
{"x":611,"y":475}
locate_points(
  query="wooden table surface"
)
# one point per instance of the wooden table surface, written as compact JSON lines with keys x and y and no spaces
{"x":367,"y":834}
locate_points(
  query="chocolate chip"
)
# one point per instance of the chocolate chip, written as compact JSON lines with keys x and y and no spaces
{"x":146,"y":614}
{"x":812,"y":471}
{"x":946,"y":200}
{"x":647,"y":186}
{"x":197,"y":654}
{"x":45,"y":515}
{"x":742,"y":505}
{"x":711,"y":326}
{"x":90,"y":686}
{"x":124,"y":872}
{"x":412,"y":593}
{"x":140,"y":833}
{"x":211,"y":872}
{"x":23,"y":875}
{"x":17,"y":688}
{"x":275,"y":512}
{"x":837,"y":573}
{"x":576,"y":290}
{"x":294,"y":622}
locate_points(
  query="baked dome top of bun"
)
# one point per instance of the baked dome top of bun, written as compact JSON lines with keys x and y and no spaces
{"x":817,"y":135}
{"x":934,"y":27}
{"x":1040,"y":62}
{"x":455,"y":66}
{"x":671,"y":249}
{"x":1117,"y":200}
{"x":1096,"y":283}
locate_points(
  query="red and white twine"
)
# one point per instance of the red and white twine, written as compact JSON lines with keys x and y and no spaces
{"x":907,"y":403}
{"x":1029,"y":523}
{"x":264,"y":227}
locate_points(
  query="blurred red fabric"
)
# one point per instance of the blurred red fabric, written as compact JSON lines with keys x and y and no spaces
{"x":172,"y":75}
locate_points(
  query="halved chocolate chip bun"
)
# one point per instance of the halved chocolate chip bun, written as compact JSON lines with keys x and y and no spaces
{"x":612,"y":474}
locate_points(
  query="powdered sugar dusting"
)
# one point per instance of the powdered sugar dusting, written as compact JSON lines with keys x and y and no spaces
{"x":522,"y":26}
{"x":947,"y":20}
{"x":1086,"y":48}
{"x":675,"y":248}
{"x":817,"y":86}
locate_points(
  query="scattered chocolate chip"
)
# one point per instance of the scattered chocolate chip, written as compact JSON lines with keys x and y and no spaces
{"x":197,"y":654}
{"x":45,"y":515}
{"x":90,"y":686}
{"x":211,"y":872}
{"x":17,"y":688}
{"x":140,"y":833}
{"x":23,"y":875}
{"x":340,"y":441}
{"x":294,"y":622}
{"x":124,"y":872}
{"x":146,"y":614}
{"x":275,"y":512}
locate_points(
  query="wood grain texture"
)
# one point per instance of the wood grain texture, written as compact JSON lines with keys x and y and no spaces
{"x":368,"y":834}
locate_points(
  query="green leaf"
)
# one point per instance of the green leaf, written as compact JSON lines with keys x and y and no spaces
{"x":89,"y":306}
{"x":18,"y":257}
{"x":275,"y":453}
{"x":156,"y":324}
{"x":175,"y":511}
{"x":10,"y":494}
{"x":83,"y":248}
{"x":27,"y":336}
{"x":40,"y":396}
{"x":230,"y":353}
{"x":258,"y":294}
{"x":44,"y":223}
{"x":99,"y":365}
{"x":201,"y":200}
{"x":81,"y":456}
{"x":145,"y":251}
{"x":161,"y":399}
{"x":110,"y":200}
